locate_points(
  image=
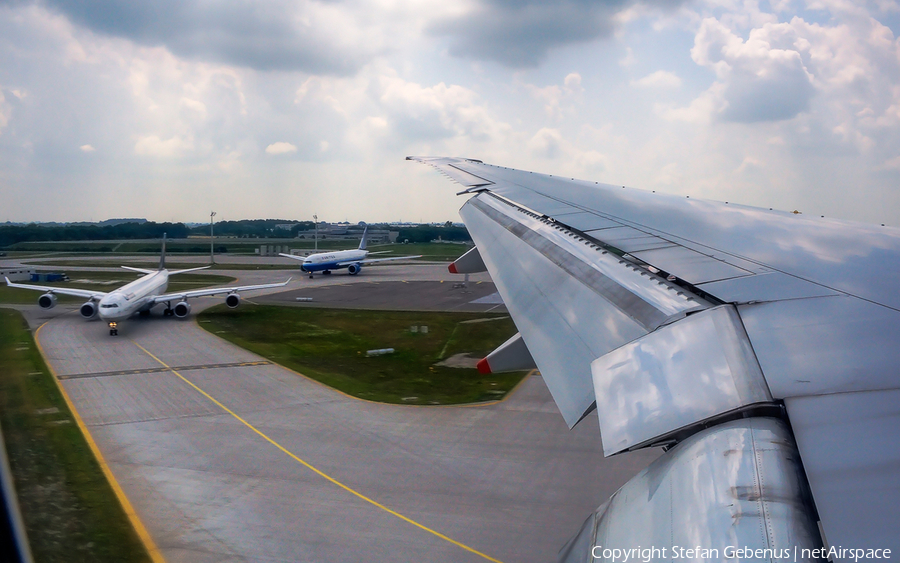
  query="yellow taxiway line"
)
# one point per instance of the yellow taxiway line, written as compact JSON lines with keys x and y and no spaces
{"x":143,"y":534}
{"x":317,"y":471}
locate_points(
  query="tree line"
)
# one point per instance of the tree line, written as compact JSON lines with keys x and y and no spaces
{"x":247,"y":228}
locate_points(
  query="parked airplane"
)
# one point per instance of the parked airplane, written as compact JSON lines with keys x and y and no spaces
{"x":758,"y":348}
{"x":140,"y":296}
{"x":351,"y":259}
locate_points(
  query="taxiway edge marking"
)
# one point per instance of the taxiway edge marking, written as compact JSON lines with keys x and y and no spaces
{"x":317,"y":471}
{"x":139,"y":528}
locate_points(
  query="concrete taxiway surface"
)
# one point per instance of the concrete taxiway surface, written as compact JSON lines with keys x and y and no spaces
{"x":228,"y":457}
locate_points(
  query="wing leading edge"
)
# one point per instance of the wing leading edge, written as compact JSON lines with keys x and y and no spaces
{"x":779,"y":314}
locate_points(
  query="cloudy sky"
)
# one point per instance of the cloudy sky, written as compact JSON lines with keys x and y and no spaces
{"x":173,"y":108}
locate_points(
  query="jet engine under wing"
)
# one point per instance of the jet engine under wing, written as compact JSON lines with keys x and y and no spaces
{"x":694,"y":313}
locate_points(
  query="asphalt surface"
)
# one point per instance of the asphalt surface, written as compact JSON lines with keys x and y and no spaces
{"x":227,"y":457}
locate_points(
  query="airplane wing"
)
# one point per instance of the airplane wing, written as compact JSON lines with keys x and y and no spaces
{"x":373,"y":260}
{"x":214,"y":291}
{"x":85,"y":293}
{"x":688,"y":321}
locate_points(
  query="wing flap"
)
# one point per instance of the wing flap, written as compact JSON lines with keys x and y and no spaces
{"x":675,"y":378}
{"x":571,"y":300}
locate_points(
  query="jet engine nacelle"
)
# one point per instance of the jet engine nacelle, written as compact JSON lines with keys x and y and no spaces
{"x":233,"y":300}
{"x":47,"y":301}
{"x":354,"y":269}
{"x":88,"y":310}
{"x":182,"y":309}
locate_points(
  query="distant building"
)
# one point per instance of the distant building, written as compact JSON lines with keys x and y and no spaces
{"x":17,"y":274}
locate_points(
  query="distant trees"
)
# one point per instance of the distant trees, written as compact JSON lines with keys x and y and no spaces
{"x":428,"y":233}
{"x":255,"y":228}
{"x":251,"y":228}
{"x":12,"y":234}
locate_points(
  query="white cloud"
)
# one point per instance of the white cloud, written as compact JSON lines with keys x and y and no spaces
{"x":764,"y":77}
{"x":572,"y":82}
{"x":194,"y":105}
{"x":87,"y":148}
{"x":281,"y":147}
{"x":438,"y":111}
{"x":546,"y":143}
{"x":659,"y":79}
{"x":4,"y":112}
{"x":815,"y":107}
{"x":153,"y":146}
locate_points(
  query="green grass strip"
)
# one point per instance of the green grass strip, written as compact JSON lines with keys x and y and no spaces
{"x":70,"y":511}
{"x":330,"y":345}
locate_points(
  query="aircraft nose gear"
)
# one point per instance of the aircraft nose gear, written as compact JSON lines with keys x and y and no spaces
{"x":113,"y":328}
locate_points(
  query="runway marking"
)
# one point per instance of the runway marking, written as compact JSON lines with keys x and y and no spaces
{"x":318,"y":471}
{"x":160,"y":370}
{"x":140,"y":530}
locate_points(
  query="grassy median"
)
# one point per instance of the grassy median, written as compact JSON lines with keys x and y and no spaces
{"x":69,"y":508}
{"x":330,"y":346}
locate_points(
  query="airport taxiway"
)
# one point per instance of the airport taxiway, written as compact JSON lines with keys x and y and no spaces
{"x":229,"y":457}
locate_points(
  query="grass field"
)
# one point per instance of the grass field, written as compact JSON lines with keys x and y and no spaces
{"x":329,"y":345}
{"x":104,"y":281}
{"x":69,"y":509}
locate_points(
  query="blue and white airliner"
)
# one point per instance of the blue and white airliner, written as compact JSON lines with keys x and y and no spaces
{"x":140,"y":296}
{"x":353,"y":260}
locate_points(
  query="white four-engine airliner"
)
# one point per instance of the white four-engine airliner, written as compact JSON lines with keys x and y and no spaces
{"x":141,"y":295}
{"x":351,"y":259}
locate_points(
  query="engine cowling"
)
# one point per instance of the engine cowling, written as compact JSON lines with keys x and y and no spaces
{"x":47,"y":301}
{"x":88,"y":310}
{"x":354,"y":269}
{"x":182,"y":309}
{"x":233,"y":300}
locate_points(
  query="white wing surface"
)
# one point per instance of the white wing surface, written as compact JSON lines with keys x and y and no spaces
{"x":85,"y":293}
{"x":676,"y":315}
{"x":214,"y":291}
{"x":373,"y":260}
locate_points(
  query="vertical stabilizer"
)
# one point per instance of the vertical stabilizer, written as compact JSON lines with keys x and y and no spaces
{"x":162,"y":254}
{"x":362,"y":243}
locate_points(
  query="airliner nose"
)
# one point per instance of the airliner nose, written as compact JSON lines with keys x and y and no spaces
{"x":109,"y":308}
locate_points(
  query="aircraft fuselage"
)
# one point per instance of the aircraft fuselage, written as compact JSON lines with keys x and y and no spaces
{"x":326,"y":261}
{"x":133,"y":297}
